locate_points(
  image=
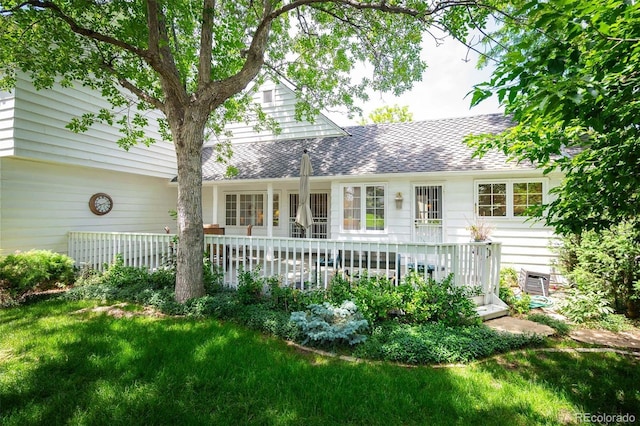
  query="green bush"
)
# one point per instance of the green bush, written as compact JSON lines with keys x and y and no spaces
{"x":289,"y":299}
{"x":604,"y":271}
{"x":520,"y":304}
{"x":586,"y":302}
{"x":250,"y":286}
{"x":376,"y":297}
{"x":508,"y":277}
{"x":413,"y":301}
{"x":35,"y":270}
{"x":443,"y":302}
{"x":262,"y":318}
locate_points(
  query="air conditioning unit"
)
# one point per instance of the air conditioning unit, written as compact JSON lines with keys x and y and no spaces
{"x":535,"y":283}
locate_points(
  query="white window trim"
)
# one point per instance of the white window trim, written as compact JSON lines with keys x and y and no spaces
{"x":363,"y":209}
{"x":509,"y":183}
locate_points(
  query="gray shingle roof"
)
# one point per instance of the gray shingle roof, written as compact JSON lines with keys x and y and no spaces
{"x":416,"y":147}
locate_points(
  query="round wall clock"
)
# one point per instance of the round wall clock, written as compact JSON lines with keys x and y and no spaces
{"x":100,"y":203}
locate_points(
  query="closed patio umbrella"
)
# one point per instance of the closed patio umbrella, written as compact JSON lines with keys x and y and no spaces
{"x":304,"y":218}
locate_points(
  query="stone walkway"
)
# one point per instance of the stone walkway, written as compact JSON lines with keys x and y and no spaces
{"x":622,"y":339}
{"x":627,"y":340}
{"x":607,"y":338}
{"x":519,"y":326}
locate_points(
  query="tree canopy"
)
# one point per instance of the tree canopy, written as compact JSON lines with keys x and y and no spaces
{"x":568,"y":71}
{"x":389,"y":114}
{"x":193,"y":59}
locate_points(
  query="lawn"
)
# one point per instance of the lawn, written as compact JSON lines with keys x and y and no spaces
{"x":58,"y":366}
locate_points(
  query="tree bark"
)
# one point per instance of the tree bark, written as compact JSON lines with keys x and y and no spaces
{"x":188,"y":142}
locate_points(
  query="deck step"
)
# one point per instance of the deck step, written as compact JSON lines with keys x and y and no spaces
{"x":487,"y":312}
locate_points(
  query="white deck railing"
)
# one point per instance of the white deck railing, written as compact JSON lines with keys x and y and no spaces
{"x":304,"y":263}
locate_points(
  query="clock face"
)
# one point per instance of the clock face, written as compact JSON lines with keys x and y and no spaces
{"x":100,"y":203}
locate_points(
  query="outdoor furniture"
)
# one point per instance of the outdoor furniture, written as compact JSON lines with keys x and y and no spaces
{"x":216,"y":251}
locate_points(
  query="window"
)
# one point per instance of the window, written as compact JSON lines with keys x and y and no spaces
{"x":244,"y":209}
{"x":267,"y":96}
{"x":363,"y":208}
{"x":525,"y":195}
{"x":375,"y":208}
{"x":231,"y":210}
{"x":508,"y":198}
{"x":492,"y":199}
{"x":276,"y":209}
{"x":351,"y":210}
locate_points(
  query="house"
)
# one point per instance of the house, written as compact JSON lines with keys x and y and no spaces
{"x":48,"y":174}
{"x":401,"y":182}
{"x":404,"y":182}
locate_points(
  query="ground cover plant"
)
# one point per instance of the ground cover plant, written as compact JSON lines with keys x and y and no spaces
{"x":63,"y":362}
{"x":432,"y":322}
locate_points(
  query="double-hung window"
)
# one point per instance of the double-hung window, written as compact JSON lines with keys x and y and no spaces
{"x":363,"y":208}
{"x":508,"y":198}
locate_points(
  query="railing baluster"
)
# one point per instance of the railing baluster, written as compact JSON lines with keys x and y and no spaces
{"x":300,"y":262}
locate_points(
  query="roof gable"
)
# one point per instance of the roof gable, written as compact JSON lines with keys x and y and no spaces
{"x":281,"y":108}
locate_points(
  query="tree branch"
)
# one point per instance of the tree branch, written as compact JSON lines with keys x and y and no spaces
{"x":78,"y":29}
{"x":206,"y":39}
{"x":162,"y":57}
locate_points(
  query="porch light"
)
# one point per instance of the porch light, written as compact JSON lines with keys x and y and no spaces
{"x":399,"y":200}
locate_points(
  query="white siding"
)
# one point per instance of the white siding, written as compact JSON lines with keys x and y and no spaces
{"x":41,"y":202}
{"x":40,"y":133}
{"x":524,"y":244}
{"x":6,"y":123}
{"x":282,"y":109}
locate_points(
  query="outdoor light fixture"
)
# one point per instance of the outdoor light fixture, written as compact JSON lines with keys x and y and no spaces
{"x":399,"y":200}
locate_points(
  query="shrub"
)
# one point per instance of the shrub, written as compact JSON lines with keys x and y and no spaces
{"x":213,"y":276}
{"x":35,"y":270}
{"x":262,"y":318}
{"x":603,"y":267}
{"x":328,"y":324}
{"x":414,"y":300}
{"x":520,"y":304}
{"x":376,"y":297}
{"x":508,"y":277}
{"x":444,"y":302}
{"x":289,"y":299}
{"x":250,"y":286}
{"x":585,"y":302}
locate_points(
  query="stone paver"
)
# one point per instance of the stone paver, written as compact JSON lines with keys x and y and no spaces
{"x":519,"y":326}
{"x":607,"y":338}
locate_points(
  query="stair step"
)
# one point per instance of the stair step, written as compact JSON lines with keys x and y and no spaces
{"x":487,"y":312}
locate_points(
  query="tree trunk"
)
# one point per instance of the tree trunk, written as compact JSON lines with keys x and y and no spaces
{"x":188,"y":142}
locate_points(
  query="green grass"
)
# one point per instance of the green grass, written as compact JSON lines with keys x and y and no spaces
{"x":61,"y":367}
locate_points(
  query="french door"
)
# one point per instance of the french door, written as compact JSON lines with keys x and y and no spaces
{"x":320,"y":211}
